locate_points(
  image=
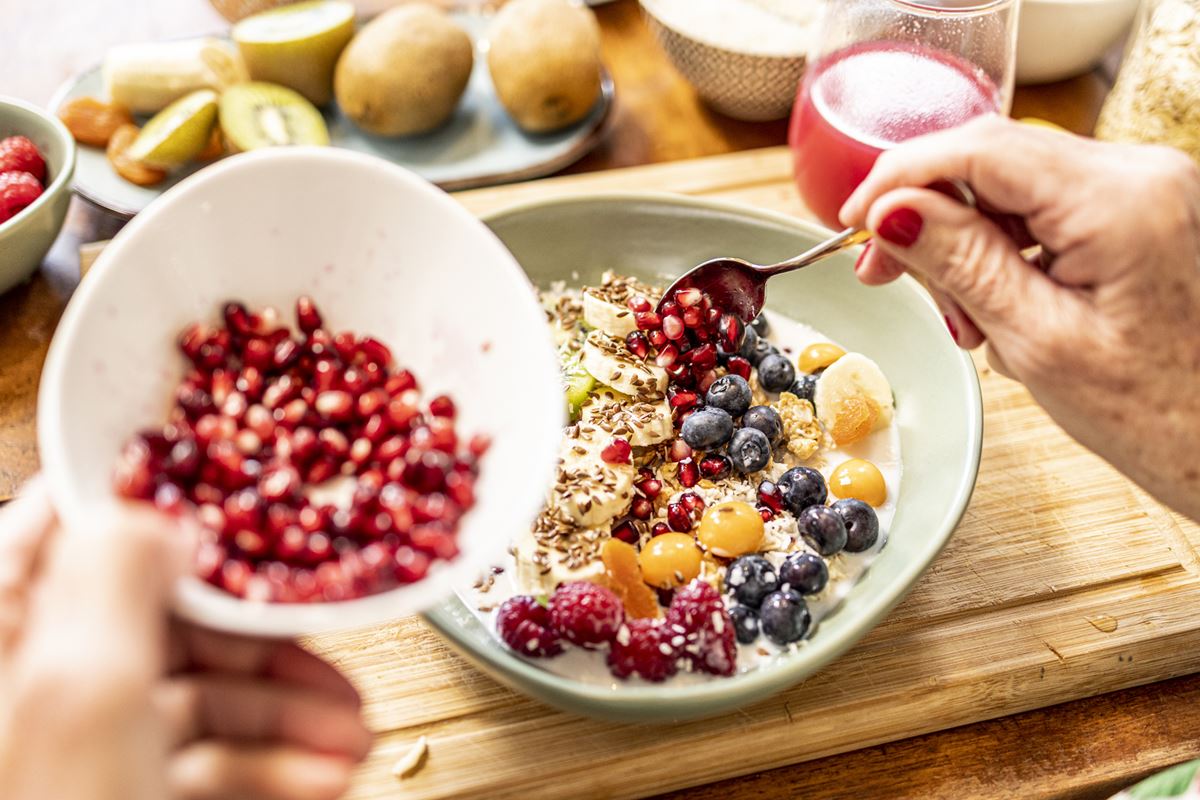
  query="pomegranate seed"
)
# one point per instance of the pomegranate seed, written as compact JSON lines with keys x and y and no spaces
{"x":692,"y":502}
{"x":280,"y":391}
{"x":738,"y":366}
{"x":704,"y":356}
{"x":732,"y":333}
{"x":402,"y":414}
{"x":689,"y":473}
{"x":627,"y":532}
{"x":223,"y":384}
{"x":618,"y":451}
{"x":667,"y":356}
{"x":247,"y":442}
{"x":168,"y":498}
{"x":688,"y":297}
{"x":672,"y":327}
{"x":766,"y":513}
{"x":233,"y":577}
{"x":281,"y":516}
{"x":715,"y":468}
{"x":409,"y":565}
{"x":639,"y":304}
{"x":325,"y":375}
{"x":647,"y":320}
{"x":712,"y":316}
{"x":682,"y":398}
{"x":371,"y":403}
{"x":461,"y":489}
{"x":679,"y":518}
{"x":184,"y":460}
{"x":260,"y":420}
{"x":401,"y":382}
{"x":442,"y":406}
{"x":656,"y":338}
{"x":346,"y":345}
{"x":692,"y":317}
{"x":235,"y":406}
{"x":258,"y":353}
{"x":308,"y":319}
{"x":641,"y":508}
{"x":252,"y":543}
{"x":320,"y":471}
{"x":360,"y":450}
{"x":334,"y":405}
{"x":679,"y":450}
{"x":638,"y":344}
{"x":192,"y":339}
{"x":375,"y":428}
{"x":706,"y":379}
{"x":375,"y":351}
{"x":770,"y":496}
{"x":278,"y":483}
{"x":677,"y":372}
{"x":650,"y":487}
{"x":285,"y":354}
{"x":290,"y":545}
{"x":333,"y":442}
{"x":669,"y":308}
{"x":319,"y":344}
{"x":479,"y":444}
{"x":194,"y":400}
{"x":660,"y":528}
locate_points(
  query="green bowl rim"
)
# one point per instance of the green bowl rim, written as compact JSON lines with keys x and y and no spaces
{"x":820,"y":651}
{"x":64,"y":175}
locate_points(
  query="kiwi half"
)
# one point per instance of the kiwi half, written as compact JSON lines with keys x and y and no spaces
{"x":257,"y":114}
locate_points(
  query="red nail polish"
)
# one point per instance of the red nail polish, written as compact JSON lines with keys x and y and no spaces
{"x":953,"y":330}
{"x":862,"y":258}
{"x":901,"y":227}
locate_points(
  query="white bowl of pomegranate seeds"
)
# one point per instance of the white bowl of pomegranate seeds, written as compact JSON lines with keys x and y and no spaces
{"x":343,"y":375}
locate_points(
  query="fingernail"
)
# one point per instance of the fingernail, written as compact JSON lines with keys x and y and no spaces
{"x":901,"y":227}
{"x":953,"y":330}
{"x":862,"y":258}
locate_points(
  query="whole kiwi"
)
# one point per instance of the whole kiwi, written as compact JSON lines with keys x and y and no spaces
{"x":404,"y":72}
{"x":544,"y":57}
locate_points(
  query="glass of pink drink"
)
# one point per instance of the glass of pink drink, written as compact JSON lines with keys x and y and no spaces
{"x":884,"y":71}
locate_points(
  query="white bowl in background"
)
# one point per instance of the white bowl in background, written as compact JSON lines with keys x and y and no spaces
{"x":382,"y":252}
{"x":1060,"y":39}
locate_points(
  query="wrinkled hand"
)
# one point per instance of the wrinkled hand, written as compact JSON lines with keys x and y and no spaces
{"x":1108,"y":337}
{"x":105,"y":698}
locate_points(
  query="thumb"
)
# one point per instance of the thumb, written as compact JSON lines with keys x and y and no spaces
{"x":964,"y":254}
{"x":105,"y":593}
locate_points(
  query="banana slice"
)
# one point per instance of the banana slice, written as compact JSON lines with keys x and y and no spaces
{"x":615,"y":320}
{"x":609,"y":360}
{"x":147,"y":77}
{"x":541,"y":568}
{"x":853,"y":398}
{"x":642,"y":422}
{"x":589,"y":491}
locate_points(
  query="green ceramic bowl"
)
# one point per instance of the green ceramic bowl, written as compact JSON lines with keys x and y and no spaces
{"x":938,"y":409}
{"x":25,"y":239}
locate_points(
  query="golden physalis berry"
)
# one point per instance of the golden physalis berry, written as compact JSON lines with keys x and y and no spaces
{"x":818,"y":356}
{"x":670,"y":560}
{"x":731,"y":529}
{"x":859,"y":479}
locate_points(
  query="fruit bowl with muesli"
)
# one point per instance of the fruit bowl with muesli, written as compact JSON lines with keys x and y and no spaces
{"x":280,"y":349}
{"x":736,"y":502}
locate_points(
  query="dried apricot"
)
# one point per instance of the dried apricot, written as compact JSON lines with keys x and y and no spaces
{"x":856,"y":416}
{"x":91,"y":121}
{"x":129,"y":169}
{"x":625,"y":579}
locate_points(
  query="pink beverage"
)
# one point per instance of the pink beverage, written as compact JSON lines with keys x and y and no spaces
{"x":857,"y":102}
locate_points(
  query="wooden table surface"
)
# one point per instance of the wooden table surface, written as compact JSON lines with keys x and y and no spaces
{"x":1084,"y":749}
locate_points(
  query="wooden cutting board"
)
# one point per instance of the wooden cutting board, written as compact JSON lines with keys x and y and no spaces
{"x":1062,"y":582}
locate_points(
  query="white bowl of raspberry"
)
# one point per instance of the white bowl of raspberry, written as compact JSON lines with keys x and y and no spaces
{"x":338,"y":371}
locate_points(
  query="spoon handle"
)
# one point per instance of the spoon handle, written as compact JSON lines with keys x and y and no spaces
{"x":848,"y":238}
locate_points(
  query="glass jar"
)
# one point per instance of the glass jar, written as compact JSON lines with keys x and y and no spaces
{"x":1156,"y":98}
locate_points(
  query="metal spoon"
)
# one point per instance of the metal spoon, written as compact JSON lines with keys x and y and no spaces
{"x":740,"y":287}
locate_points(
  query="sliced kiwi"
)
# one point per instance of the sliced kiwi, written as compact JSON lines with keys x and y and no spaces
{"x":257,"y":114}
{"x":178,"y":133}
{"x":579,"y":385}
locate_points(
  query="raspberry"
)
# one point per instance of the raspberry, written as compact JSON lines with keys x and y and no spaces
{"x":644,"y":647}
{"x":17,"y":190}
{"x":698,"y":614}
{"x":18,"y":154}
{"x":586,"y":614}
{"x":524,"y":625}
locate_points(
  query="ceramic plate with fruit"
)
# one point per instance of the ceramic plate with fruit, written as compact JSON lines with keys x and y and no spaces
{"x":735,"y":504}
{"x":460,"y":99}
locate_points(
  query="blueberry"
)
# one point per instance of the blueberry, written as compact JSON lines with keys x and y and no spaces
{"x":750,"y":450}
{"x":776,"y":373}
{"x":751,"y":578}
{"x":805,"y":387}
{"x":729,"y":393}
{"x":765,"y":419}
{"x":802,"y":487}
{"x":760,"y":325}
{"x":805,"y":573}
{"x":745,"y":623}
{"x":762,"y":349}
{"x":748,"y":344}
{"x":707,"y":428}
{"x":862,"y":525}
{"x":784,"y":617}
{"x":822,"y":529}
